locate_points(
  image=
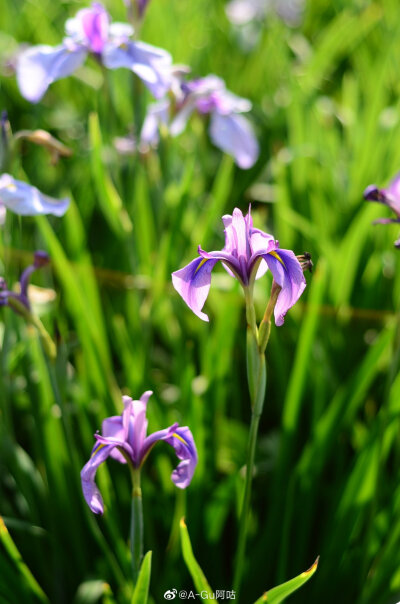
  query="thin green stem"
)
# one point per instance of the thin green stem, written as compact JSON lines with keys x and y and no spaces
{"x":241,"y":548}
{"x":257,"y":376}
{"x":136,"y":524}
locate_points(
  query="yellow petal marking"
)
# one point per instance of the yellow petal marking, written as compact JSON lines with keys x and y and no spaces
{"x":200,"y":265}
{"x":275,"y":255}
{"x":179,"y":438}
{"x":97,"y":450}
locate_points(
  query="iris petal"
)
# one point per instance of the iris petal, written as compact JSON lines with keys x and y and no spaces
{"x":288,"y":274}
{"x":193,"y":283}
{"x":40,"y":66}
{"x":234,"y":135}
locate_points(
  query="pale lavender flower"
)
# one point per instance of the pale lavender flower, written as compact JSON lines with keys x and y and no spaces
{"x":40,"y":259}
{"x":242,"y":12}
{"x":389,"y":197}
{"x":247,"y":255}
{"x":229,"y":130}
{"x":91,"y":31}
{"x":26,"y":200}
{"x":125,"y":439}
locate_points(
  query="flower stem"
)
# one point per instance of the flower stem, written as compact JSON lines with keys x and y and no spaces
{"x":136,"y":524}
{"x":257,"y":379}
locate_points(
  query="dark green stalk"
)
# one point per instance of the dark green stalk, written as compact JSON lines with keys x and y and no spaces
{"x":136,"y":524}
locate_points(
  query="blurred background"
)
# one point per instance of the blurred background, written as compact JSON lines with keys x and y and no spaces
{"x":324,"y":81}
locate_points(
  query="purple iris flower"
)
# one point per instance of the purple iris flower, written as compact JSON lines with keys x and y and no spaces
{"x":40,"y":259}
{"x":91,"y":31}
{"x":247,"y":255}
{"x":125,"y":439}
{"x":23,"y":199}
{"x":229,"y":130}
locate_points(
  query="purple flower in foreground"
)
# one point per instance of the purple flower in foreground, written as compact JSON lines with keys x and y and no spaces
{"x":91,"y":31}
{"x":124,"y":438}
{"x":26,"y":200}
{"x":390,"y":197}
{"x":247,"y":255}
{"x":40,"y":259}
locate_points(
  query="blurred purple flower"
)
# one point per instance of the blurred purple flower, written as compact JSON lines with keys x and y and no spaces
{"x":91,"y":31}
{"x":229,"y":130}
{"x":26,"y":200}
{"x":241,"y":12}
{"x":390,"y":197}
{"x":124,"y":438}
{"x":40,"y":259}
{"x":247,"y":255}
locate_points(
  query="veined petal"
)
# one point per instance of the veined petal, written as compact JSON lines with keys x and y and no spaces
{"x":193,"y":283}
{"x":150,"y":63}
{"x":135,"y":423}
{"x":287,"y":273}
{"x":39,"y":66}
{"x":112,"y":428}
{"x":21,"y":198}
{"x":260,"y":243}
{"x":95,"y":22}
{"x":182,"y":441}
{"x":90,"y":491}
{"x":185,"y":449}
{"x":234,"y":135}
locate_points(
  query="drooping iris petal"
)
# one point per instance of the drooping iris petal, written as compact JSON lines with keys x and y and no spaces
{"x":181,"y":439}
{"x":185,"y":449}
{"x":193,"y":283}
{"x":40,"y":66}
{"x":21,"y":198}
{"x":151,"y":64}
{"x":234,"y":135}
{"x":288,"y":274}
{"x":90,"y":491}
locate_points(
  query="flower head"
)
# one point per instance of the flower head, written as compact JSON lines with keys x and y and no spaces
{"x":8,"y":296}
{"x":91,"y":31}
{"x":248,"y":253}
{"x":229,"y":130}
{"x":125,"y":439}
{"x":390,"y":197}
{"x":23,"y":199}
